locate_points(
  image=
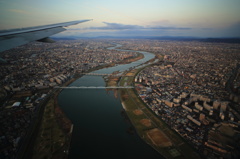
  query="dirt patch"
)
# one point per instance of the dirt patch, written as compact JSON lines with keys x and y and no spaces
{"x":146,"y":122}
{"x":129,"y":74}
{"x":111,"y":81}
{"x":137,"y":112}
{"x":158,"y":138}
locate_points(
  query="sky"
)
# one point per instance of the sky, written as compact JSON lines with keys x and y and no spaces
{"x":195,"y":18}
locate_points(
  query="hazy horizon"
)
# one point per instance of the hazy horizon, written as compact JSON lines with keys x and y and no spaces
{"x":215,"y":18}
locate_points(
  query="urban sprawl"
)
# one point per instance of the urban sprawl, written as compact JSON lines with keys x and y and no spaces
{"x":194,"y":88}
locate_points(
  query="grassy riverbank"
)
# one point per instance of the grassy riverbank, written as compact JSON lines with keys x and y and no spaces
{"x":54,"y":134}
{"x":151,"y":128}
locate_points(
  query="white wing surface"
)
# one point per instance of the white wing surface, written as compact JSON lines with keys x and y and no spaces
{"x":16,"y":37}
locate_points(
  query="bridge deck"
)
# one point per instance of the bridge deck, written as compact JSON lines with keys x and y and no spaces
{"x":93,"y":87}
{"x":102,"y":74}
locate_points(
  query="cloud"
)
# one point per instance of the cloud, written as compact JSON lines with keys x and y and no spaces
{"x":118,"y":26}
{"x":124,"y":30}
{"x":116,"y":33}
{"x":168,"y":28}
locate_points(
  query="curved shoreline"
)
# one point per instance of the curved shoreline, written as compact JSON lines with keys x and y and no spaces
{"x":172,"y":142}
{"x":159,"y":136}
{"x":62,"y":120}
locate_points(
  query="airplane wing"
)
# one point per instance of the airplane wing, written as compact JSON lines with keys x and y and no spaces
{"x":16,"y":37}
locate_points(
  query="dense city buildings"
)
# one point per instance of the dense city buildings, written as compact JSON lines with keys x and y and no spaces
{"x":194,"y":88}
{"x":192,"y":92}
{"x":31,"y":73}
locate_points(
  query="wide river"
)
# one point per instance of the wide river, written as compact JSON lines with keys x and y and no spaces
{"x":100,"y":130}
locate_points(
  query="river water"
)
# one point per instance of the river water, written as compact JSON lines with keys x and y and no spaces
{"x":100,"y":130}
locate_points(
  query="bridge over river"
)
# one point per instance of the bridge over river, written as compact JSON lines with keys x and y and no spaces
{"x":104,"y":74}
{"x":94,"y":87}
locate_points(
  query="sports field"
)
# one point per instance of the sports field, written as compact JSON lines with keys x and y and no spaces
{"x":158,"y":138}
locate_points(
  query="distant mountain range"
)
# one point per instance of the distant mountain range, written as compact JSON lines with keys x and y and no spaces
{"x":63,"y":38}
{"x":171,"y":38}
